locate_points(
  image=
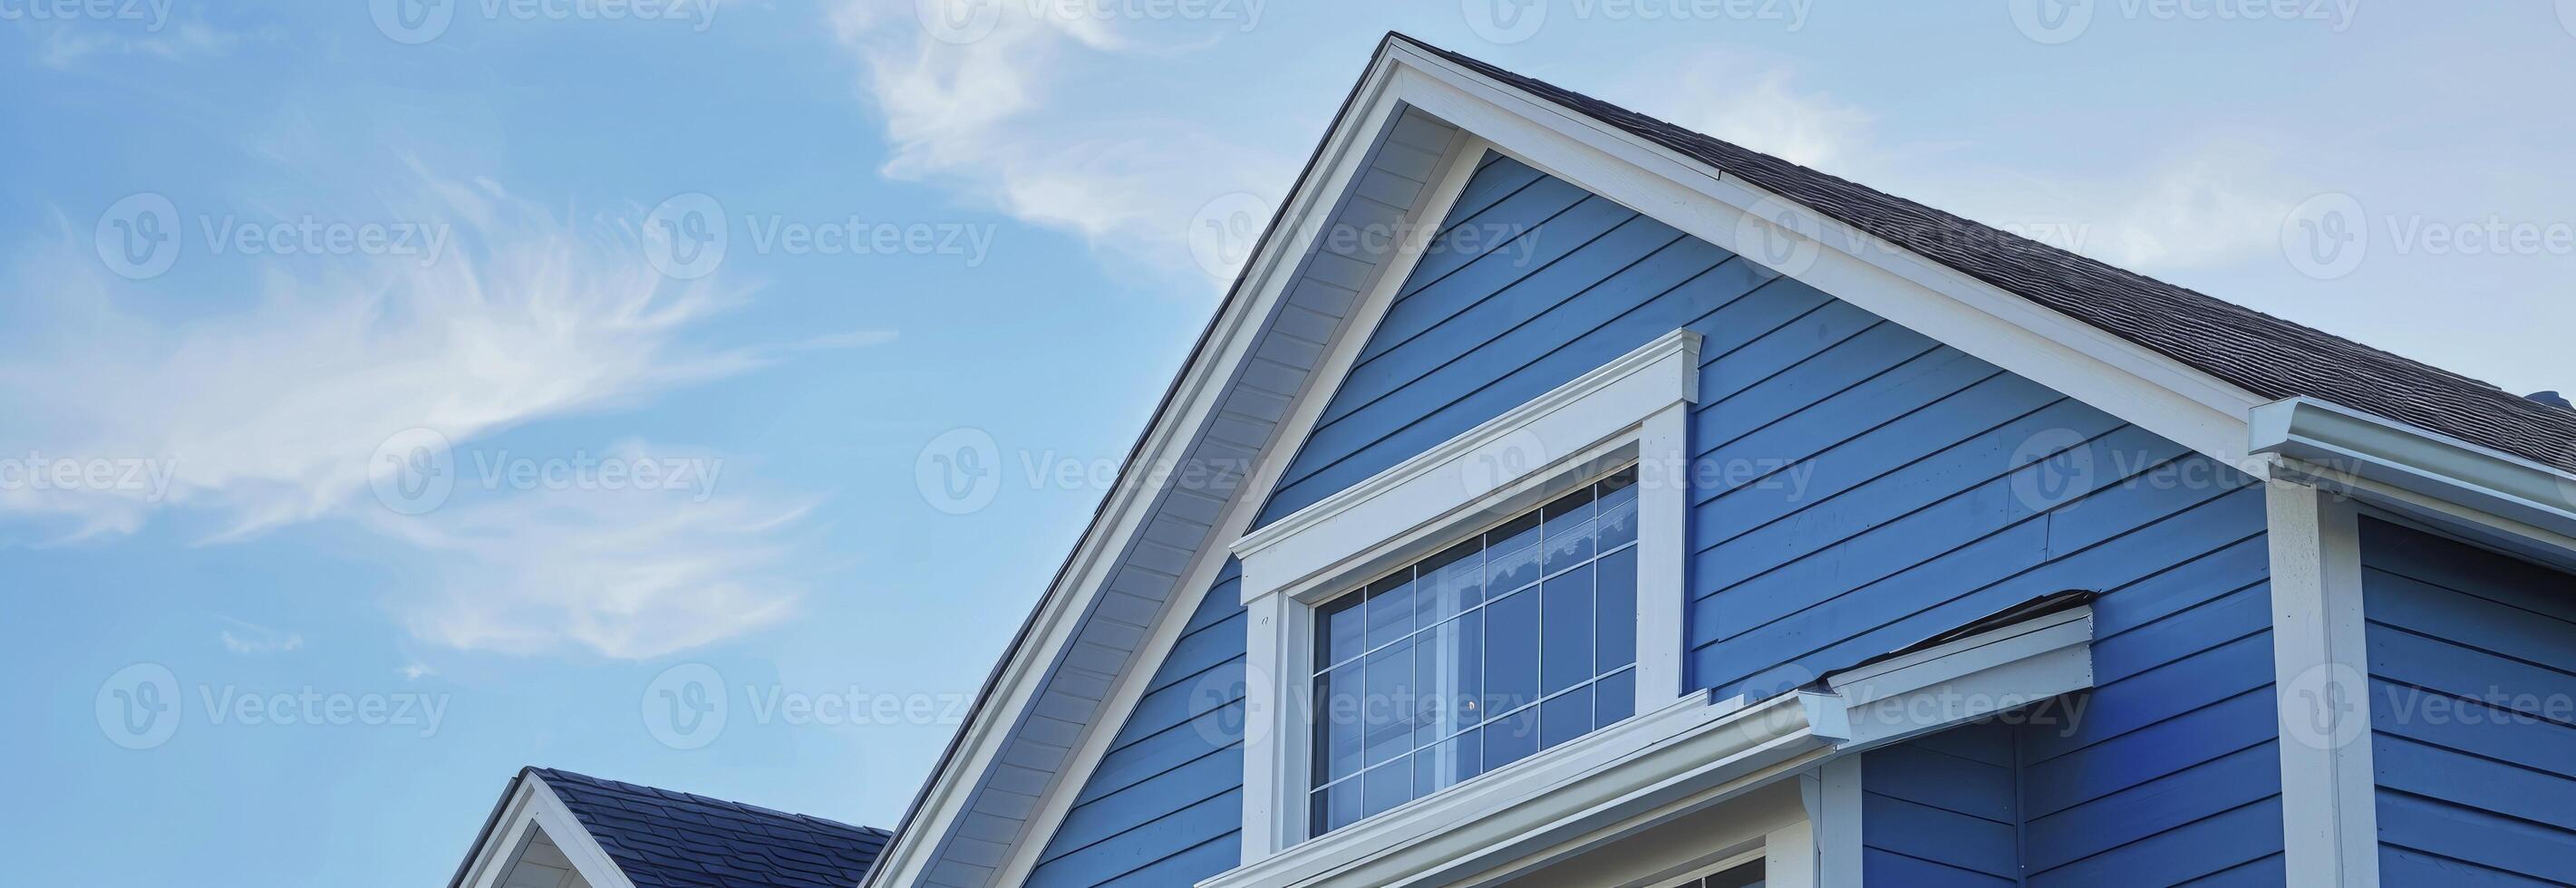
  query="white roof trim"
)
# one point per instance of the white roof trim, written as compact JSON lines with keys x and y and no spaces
{"x":2352,"y":443}
{"x":532,"y":804}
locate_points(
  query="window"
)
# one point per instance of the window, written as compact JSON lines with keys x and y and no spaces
{"x":1746,"y":875}
{"x":1484,"y":608}
{"x":1514,"y":640}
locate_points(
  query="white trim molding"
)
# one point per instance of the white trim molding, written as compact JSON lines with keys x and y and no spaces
{"x":1692,"y":756}
{"x":2347,"y":442}
{"x":2329,"y":810}
{"x":530,"y":808}
{"x":1966,"y":679}
{"x":1635,"y":409}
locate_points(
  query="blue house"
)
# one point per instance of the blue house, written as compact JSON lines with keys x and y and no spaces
{"x":1564,"y":498}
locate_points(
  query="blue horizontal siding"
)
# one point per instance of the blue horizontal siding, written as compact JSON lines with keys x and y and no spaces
{"x":2472,"y":658}
{"x":1931,"y":816}
{"x":1165,"y":804}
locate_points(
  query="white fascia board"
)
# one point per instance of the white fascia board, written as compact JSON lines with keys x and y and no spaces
{"x":1428,"y":490}
{"x":2078,"y":359}
{"x":534,"y":805}
{"x":914,"y":849}
{"x":1685,"y":758}
{"x":2359,"y":445}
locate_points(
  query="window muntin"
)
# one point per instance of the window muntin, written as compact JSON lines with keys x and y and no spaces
{"x":1514,"y":640}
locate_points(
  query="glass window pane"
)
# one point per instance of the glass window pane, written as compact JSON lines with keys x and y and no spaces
{"x":1338,"y":744}
{"x":1511,"y":651}
{"x":1448,"y":673}
{"x":1449,"y":583}
{"x":1390,"y":608}
{"x":1511,"y":738}
{"x":1615,"y":621}
{"x":1386,"y":712}
{"x":1386,"y":786}
{"x":1567,"y":538}
{"x":1565,"y":717}
{"x":1511,"y":555}
{"x":1614,"y":697}
{"x":1342,"y":630}
{"x":1746,"y":876}
{"x":1618,"y":510}
{"x":1565,"y":626}
{"x":1442,"y":765}
{"x":1335,"y":806}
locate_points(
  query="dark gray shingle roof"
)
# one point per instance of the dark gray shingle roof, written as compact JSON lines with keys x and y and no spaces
{"x":664,"y":838}
{"x":2271,"y":357}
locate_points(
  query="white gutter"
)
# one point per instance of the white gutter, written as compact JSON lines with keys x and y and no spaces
{"x":2423,"y":462}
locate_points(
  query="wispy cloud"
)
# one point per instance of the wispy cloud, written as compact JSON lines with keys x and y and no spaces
{"x":274,"y":414}
{"x":988,"y":112}
{"x":249,"y":639}
{"x":625,"y":572}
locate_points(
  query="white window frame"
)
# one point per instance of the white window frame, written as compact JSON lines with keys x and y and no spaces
{"x":1635,"y":409}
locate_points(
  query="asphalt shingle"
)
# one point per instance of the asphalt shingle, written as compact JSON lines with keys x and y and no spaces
{"x":2271,"y":357}
{"x":680,"y":840}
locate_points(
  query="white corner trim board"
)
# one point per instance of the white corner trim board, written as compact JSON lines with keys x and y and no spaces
{"x":1687,"y":757}
{"x":2349,"y":442}
{"x":2329,"y":821}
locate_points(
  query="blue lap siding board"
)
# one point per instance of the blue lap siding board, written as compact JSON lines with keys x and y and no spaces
{"x":1860,"y":487}
{"x":2472,"y":663}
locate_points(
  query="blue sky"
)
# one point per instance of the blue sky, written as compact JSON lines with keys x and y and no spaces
{"x":375,"y":417}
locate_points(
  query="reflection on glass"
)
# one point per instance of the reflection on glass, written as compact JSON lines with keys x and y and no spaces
{"x":1512,"y":641}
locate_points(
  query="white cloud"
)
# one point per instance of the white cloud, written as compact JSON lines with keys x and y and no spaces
{"x":249,"y":419}
{"x":626,"y":573}
{"x":983,"y":112}
{"x":247,"y":638}
{"x":2216,"y":198}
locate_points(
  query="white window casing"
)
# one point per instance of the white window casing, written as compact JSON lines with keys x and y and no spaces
{"x":1632,"y":410}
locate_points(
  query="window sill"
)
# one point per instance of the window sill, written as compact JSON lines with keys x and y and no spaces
{"x":1694,"y":744}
